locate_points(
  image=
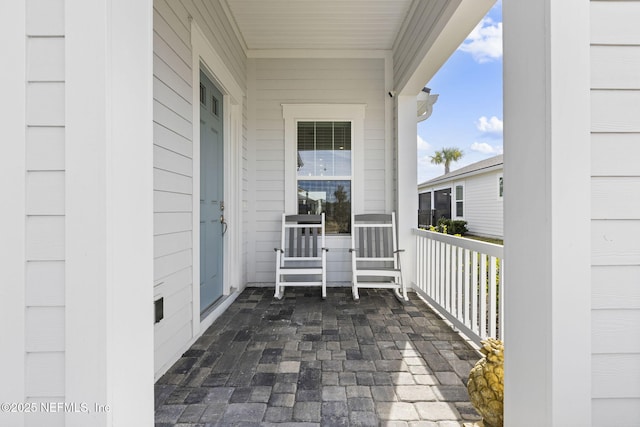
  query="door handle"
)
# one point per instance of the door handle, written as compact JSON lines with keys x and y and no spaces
{"x":224,"y":225}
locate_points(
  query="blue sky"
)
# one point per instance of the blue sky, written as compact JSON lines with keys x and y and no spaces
{"x":468,"y":113}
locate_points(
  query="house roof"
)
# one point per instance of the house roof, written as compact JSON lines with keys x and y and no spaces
{"x":472,"y":169}
{"x":326,"y":24}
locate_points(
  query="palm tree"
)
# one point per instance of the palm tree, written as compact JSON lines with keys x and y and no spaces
{"x":446,"y":156}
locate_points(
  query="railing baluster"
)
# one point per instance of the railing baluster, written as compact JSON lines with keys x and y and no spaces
{"x":432,"y":270}
{"x":450,"y":277}
{"x":433,"y":262}
{"x":440,"y":273}
{"x":492,"y":297}
{"x":467,"y":287}
{"x":501,"y":302}
{"x":447,"y":277}
{"x":419,"y":264}
{"x":459,"y":267}
{"x":474,"y":294}
{"x":483,"y":295}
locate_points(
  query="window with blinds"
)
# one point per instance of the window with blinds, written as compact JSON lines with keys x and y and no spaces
{"x":324,"y":172}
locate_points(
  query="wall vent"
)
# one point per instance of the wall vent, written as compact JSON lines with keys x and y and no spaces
{"x":158,"y":306}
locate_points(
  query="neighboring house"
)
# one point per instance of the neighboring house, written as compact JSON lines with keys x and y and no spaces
{"x":473,"y":193}
{"x":120,"y":117}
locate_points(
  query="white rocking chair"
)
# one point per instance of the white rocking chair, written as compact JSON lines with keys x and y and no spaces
{"x":375,"y":258}
{"x":301,"y":259}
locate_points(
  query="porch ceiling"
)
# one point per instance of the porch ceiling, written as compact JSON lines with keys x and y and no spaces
{"x":318,"y":24}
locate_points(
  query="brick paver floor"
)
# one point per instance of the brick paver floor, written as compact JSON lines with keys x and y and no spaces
{"x":303,"y":361}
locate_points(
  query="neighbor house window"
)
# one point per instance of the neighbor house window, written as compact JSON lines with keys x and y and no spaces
{"x":324,"y":172}
{"x":459,"y":201}
{"x":500,"y":187}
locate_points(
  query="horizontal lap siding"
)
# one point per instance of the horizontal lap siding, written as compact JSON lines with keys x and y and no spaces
{"x":482,"y":207}
{"x":309,"y":81}
{"x":173,"y":157}
{"x":44,"y":375}
{"x":615,"y":212}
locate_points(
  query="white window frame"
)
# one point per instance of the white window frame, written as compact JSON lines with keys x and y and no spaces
{"x":294,"y":113}
{"x":454,"y":199}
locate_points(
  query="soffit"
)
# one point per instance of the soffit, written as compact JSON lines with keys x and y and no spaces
{"x":318,"y":24}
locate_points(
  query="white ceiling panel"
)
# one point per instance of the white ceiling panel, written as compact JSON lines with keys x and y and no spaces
{"x":318,"y":24}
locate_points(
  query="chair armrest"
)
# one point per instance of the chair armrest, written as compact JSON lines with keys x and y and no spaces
{"x":398,"y":250}
{"x":278,"y":250}
{"x":352,"y":250}
{"x":325,"y":249}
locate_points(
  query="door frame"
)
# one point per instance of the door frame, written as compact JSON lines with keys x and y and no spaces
{"x":204,"y":56}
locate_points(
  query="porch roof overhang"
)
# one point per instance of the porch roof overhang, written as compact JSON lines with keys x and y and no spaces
{"x":415,"y":36}
{"x":317,"y":25}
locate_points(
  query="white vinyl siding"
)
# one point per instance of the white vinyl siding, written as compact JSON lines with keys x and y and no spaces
{"x":308,"y":81}
{"x":615,"y":212}
{"x":44,"y":375}
{"x":173,"y":158}
{"x":482,"y":207}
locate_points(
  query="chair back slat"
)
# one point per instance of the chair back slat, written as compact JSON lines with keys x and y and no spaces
{"x":386,"y":240}
{"x":298,"y":232}
{"x":292,"y":236}
{"x":314,"y":241}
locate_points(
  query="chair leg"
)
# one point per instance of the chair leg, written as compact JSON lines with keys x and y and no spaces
{"x":404,"y":290}
{"x":355,"y":292}
{"x":401,"y":295}
{"x":401,"y":292}
{"x":278,"y":294}
{"x":404,"y":293}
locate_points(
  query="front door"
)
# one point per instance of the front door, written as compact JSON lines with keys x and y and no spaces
{"x":212,"y":225}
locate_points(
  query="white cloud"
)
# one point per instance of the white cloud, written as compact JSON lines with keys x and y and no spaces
{"x":484,"y":148}
{"x":484,"y":43}
{"x":492,"y":125}
{"x":423,"y":145}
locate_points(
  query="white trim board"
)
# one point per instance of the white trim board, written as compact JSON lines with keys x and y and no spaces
{"x":318,"y":54}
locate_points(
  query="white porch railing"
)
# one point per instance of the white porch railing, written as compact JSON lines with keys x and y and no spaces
{"x":463,"y":280}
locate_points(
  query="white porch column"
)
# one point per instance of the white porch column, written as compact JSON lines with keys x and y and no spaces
{"x":547,"y":210}
{"x":109,"y":207}
{"x":407,"y":183}
{"x":13,"y":212}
